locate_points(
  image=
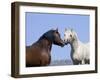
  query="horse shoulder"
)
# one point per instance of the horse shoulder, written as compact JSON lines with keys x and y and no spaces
{"x":75,"y":55}
{"x":78,"y":54}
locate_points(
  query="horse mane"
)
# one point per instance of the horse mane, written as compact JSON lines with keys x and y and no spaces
{"x":74,"y":33}
{"x":47,"y":35}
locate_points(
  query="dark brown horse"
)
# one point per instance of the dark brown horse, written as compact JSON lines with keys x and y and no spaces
{"x":38,"y":54}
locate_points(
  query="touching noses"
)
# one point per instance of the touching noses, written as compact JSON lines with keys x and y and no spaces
{"x":64,"y":40}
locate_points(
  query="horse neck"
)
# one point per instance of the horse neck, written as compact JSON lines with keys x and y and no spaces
{"x":75,"y":43}
{"x":45,"y":43}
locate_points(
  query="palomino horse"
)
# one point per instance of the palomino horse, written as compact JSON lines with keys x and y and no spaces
{"x":80,"y":52}
{"x":38,"y":54}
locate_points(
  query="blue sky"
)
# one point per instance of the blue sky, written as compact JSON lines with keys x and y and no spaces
{"x":39,"y":23}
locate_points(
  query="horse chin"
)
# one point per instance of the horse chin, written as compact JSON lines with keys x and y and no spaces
{"x":59,"y":44}
{"x":66,"y":43}
{"x":62,"y":45}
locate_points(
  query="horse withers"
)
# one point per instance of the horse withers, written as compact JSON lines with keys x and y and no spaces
{"x":80,"y":53}
{"x":39,"y":53}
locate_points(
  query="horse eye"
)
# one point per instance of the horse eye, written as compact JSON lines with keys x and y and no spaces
{"x":70,"y":35}
{"x":56,"y":32}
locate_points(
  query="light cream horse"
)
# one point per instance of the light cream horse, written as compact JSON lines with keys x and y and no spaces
{"x":80,"y":53}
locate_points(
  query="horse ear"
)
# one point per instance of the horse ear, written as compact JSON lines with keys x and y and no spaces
{"x":57,"y":29}
{"x":71,"y":30}
{"x":65,"y":29}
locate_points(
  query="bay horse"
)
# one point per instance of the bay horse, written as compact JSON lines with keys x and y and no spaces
{"x":80,"y":53}
{"x":39,"y":53}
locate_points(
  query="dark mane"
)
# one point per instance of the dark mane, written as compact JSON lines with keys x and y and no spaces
{"x":47,"y":35}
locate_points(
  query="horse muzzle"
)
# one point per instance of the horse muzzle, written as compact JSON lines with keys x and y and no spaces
{"x":66,"y":42}
{"x":62,"y":44}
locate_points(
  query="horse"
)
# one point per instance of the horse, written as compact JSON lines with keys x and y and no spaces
{"x":39,"y":53}
{"x":80,"y":53}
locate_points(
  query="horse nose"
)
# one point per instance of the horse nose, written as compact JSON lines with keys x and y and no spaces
{"x":62,"y":42}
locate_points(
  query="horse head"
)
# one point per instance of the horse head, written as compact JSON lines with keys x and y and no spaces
{"x":54,"y":37}
{"x":69,"y":36}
